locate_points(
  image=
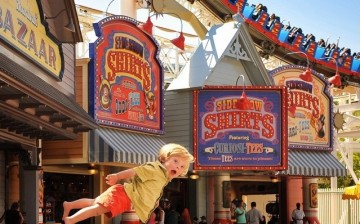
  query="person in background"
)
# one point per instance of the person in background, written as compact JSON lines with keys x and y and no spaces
{"x":185,"y":217}
{"x":321,"y":43}
{"x":240,"y":212}
{"x":173,"y":161}
{"x":254,"y":216}
{"x":298,"y":215}
{"x":161,"y":214}
{"x":152,"y":219}
{"x":203,"y":220}
{"x":171,"y":215}
{"x":13,"y":215}
{"x":264,"y":220}
{"x":255,"y":14}
{"x":195,"y":220}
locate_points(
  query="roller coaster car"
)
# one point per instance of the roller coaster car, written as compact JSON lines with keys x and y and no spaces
{"x":293,"y":33}
{"x":271,"y":21}
{"x":308,"y":38}
{"x":255,"y":14}
{"x":292,"y":39}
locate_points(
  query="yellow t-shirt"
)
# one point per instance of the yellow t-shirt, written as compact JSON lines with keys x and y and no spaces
{"x":146,"y":188}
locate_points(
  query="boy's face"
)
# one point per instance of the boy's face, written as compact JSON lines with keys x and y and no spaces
{"x":175,"y":166}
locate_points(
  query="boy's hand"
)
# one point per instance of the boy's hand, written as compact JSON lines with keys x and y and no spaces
{"x":111,"y":179}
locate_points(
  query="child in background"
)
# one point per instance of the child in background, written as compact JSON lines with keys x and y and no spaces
{"x":143,"y":191}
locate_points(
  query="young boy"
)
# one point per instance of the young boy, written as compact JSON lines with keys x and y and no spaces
{"x":143,"y":192}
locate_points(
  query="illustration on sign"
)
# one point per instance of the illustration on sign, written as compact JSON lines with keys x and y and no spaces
{"x":232,"y":138}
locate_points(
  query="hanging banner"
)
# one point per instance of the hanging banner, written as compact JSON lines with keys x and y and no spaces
{"x":127,"y":77}
{"x":310,"y":108}
{"x":229,"y":137}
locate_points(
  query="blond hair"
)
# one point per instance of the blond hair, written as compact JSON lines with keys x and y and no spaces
{"x":173,"y":149}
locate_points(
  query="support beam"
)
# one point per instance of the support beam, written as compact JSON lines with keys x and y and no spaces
{"x":348,"y":164}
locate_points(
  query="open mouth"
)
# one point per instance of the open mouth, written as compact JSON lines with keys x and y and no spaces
{"x":173,"y":172}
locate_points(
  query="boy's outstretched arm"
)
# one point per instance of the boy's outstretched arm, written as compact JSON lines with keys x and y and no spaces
{"x":112,"y":179}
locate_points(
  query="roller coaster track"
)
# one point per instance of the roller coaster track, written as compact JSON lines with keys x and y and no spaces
{"x":275,"y":41}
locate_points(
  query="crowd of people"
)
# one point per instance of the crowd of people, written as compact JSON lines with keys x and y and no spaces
{"x":243,"y":216}
{"x":293,"y":31}
{"x":254,"y":216}
{"x":166,"y":213}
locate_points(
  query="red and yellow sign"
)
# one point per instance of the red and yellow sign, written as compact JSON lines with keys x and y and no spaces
{"x":128,"y":77}
{"x":313,"y":193}
{"x":21,"y":28}
{"x":309,"y":108}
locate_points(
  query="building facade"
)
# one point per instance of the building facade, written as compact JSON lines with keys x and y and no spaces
{"x":37,"y":95}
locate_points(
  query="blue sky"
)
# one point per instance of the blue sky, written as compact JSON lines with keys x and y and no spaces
{"x":324,"y":19}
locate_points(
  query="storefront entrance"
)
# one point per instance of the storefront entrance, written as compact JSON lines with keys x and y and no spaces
{"x":265,"y":194}
{"x":64,"y":187}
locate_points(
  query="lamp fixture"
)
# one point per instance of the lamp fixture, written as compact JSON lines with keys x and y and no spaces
{"x":147,"y":27}
{"x":243,"y":103}
{"x":70,"y":26}
{"x":306,"y":75}
{"x":274,"y":179}
{"x":91,"y":169}
{"x":238,"y":18}
{"x":193,"y":175}
{"x":336,"y":79}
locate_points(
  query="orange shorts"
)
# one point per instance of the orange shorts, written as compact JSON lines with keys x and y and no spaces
{"x":115,"y":200}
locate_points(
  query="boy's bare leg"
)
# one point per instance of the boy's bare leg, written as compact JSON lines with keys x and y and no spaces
{"x":85,"y":213}
{"x":77,"y":204}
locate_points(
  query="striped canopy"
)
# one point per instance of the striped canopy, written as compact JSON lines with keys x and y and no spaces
{"x":120,"y":146}
{"x":313,"y":163}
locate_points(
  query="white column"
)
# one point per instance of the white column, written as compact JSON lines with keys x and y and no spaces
{"x":221,"y":215}
{"x":202,"y":196}
{"x":128,"y":8}
{"x":310,"y":194}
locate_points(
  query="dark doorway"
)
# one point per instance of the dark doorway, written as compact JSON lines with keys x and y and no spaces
{"x":60,"y":187}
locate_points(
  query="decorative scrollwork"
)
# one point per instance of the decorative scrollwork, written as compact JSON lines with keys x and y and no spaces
{"x":267,"y":50}
{"x":344,"y":81}
{"x":237,"y":51}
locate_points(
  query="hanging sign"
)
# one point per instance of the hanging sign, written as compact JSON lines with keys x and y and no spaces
{"x":309,"y":108}
{"x":127,"y":76}
{"x":228,"y":137}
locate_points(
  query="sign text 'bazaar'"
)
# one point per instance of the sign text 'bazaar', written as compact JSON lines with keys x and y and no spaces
{"x":22,"y":29}
{"x":230,"y":137}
